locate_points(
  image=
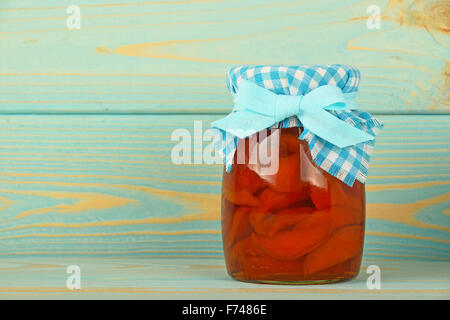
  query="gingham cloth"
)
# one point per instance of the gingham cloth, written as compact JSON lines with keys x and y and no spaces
{"x":347,"y":164}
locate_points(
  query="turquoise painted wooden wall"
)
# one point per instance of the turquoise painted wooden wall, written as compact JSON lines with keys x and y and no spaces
{"x":171,"y":56}
{"x":86,"y":117}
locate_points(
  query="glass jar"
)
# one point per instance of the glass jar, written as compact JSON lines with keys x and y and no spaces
{"x":294,"y":225}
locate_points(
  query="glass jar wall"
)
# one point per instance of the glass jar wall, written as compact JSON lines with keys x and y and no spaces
{"x":292,"y":224}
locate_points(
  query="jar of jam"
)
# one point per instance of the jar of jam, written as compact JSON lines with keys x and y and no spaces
{"x":294,"y":225}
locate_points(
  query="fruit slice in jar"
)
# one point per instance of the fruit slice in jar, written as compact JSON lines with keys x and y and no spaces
{"x":239,"y":252}
{"x":342,"y":216}
{"x":287,"y":179}
{"x":316,"y":178}
{"x":269,"y":225}
{"x":238,"y":228}
{"x":342,"y":245}
{"x":257,"y":217}
{"x":298,"y":241}
{"x":320,"y":196}
{"x":246,"y":178}
{"x":290,"y":143}
{"x":227,"y":213}
{"x":346,"y":196}
{"x":254,"y":264}
{"x":274,"y":201}
{"x":287,"y":219}
{"x":242,"y":197}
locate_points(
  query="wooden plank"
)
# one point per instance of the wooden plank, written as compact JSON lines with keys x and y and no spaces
{"x":105,"y":185}
{"x":135,"y":278}
{"x":172,"y":56}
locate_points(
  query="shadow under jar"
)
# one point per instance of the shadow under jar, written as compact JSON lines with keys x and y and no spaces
{"x":297,"y":225}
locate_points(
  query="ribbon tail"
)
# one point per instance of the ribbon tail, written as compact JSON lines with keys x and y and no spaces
{"x":243,"y":124}
{"x":332,"y":129}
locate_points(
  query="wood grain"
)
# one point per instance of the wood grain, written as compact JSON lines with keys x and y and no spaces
{"x":172,"y":56}
{"x":140,"y":278}
{"x":86,"y":118}
{"x":105,"y":185}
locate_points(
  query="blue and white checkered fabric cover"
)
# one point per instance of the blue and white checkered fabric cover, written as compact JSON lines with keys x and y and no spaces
{"x":346,"y":164}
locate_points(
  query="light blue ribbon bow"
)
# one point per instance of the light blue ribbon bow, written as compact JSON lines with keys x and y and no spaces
{"x":257,"y":108}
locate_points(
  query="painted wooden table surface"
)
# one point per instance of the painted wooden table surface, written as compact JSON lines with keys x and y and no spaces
{"x":143,"y":278}
{"x":86,"y":118}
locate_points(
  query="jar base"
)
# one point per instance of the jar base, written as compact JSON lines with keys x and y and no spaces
{"x":294,"y":282}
